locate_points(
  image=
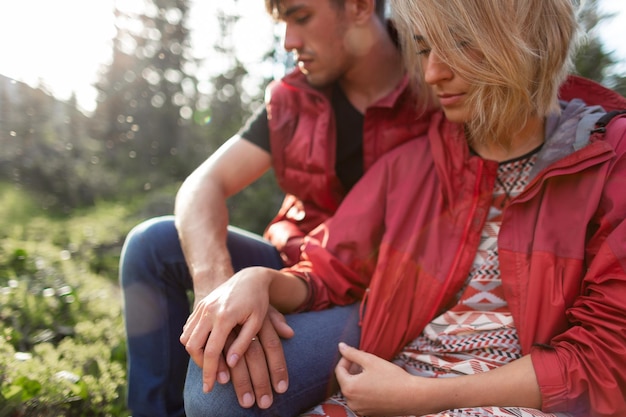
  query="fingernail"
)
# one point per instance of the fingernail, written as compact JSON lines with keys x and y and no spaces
{"x":205,"y":388}
{"x":282,"y":387}
{"x":248,"y":400}
{"x":222,"y":377}
{"x":232,"y":360}
{"x":265,"y":401}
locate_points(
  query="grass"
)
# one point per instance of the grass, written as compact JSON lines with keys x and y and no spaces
{"x":62,"y":346}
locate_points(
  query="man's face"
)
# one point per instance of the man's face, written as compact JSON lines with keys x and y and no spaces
{"x":315,"y":32}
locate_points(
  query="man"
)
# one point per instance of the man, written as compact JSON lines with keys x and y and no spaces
{"x":346,"y":104}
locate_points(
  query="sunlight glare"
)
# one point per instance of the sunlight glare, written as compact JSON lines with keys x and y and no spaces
{"x":58,"y":44}
{"x":62,"y":45}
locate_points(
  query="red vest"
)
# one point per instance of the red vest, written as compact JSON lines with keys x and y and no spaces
{"x":303,"y":146}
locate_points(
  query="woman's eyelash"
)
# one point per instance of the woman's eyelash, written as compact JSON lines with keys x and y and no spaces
{"x":424,"y":50}
{"x":422,"y":46}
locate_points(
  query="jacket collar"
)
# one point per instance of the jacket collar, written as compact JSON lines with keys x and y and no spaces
{"x":566,"y":132}
{"x":296,"y":79}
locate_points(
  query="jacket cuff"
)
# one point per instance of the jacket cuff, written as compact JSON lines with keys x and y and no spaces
{"x":550,"y":378}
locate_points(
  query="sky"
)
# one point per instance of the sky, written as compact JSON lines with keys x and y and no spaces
{"x":62,"y":44}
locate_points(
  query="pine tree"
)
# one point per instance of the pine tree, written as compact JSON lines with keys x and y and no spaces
{"x":147,"y":97}
{"x":592,"y":60}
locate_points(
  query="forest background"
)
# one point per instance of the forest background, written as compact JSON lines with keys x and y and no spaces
{"x":73,"y":184}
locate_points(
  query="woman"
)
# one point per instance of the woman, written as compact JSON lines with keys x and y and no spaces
{"x":489,"y":257}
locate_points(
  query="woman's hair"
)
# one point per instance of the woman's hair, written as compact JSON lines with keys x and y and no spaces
{"x":514,"y":53}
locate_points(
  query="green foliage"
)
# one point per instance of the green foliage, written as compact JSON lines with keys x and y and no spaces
{"x":46,"y":150}
{"x":147,"y":99}
{"x":62,"y":346}
{"x":154,"y":119}
{"x":69,"y":378}
{"x":255,"y":206}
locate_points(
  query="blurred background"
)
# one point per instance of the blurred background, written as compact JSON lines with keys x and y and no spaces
{"x":105,"y":107}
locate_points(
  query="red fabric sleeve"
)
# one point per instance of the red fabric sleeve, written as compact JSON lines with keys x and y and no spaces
{"x":339,"y":256}
{"x":586,"y":363}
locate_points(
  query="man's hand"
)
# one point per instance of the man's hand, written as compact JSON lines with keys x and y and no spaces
{"x":263,"y":364}
{"x":236,"y":320}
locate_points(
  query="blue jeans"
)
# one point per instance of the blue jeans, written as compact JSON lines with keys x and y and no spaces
{"x":311,"y":356}
{"x":156,"y":285}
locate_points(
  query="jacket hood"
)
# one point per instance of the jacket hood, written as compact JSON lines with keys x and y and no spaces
{"x":591,"y":93}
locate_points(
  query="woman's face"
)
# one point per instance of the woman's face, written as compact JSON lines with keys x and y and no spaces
{"x":450,"y":89}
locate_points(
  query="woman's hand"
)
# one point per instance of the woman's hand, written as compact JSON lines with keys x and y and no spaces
{"x":373,"y":386}
{"x":230,"y":320}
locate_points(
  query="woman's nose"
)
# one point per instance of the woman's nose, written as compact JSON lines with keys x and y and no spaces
{"x":435,"y":70}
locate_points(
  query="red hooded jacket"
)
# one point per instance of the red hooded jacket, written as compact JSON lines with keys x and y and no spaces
{"x":405,"y":238}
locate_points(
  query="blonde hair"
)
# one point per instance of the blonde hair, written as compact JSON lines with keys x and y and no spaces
{"x":514,"y":53}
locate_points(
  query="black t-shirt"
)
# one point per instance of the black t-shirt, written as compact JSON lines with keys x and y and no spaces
{"x":349,"y":124}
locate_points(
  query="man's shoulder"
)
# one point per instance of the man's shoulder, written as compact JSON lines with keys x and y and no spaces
{"x":290,"y":89}
{"x":294,"y":78}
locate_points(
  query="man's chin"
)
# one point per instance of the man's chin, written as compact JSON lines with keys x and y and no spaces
{"x":316,"y":81}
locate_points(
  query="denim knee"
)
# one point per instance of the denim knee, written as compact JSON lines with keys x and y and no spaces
{"x":142,"y":246}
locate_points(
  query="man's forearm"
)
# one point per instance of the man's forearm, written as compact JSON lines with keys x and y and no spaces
{"x":201,"y":220}
{"x":202,"y":214}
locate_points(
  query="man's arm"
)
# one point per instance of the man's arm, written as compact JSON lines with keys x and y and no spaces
{"x":202,"y":220}
{"x":202,"y":214}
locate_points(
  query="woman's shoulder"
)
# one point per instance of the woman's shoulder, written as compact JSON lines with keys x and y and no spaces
{"x":592,"y":93}
{"x":613,"y":127}
{"x":407,"y":153}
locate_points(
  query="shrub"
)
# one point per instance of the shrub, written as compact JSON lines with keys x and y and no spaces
{"x":62,"y":346}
